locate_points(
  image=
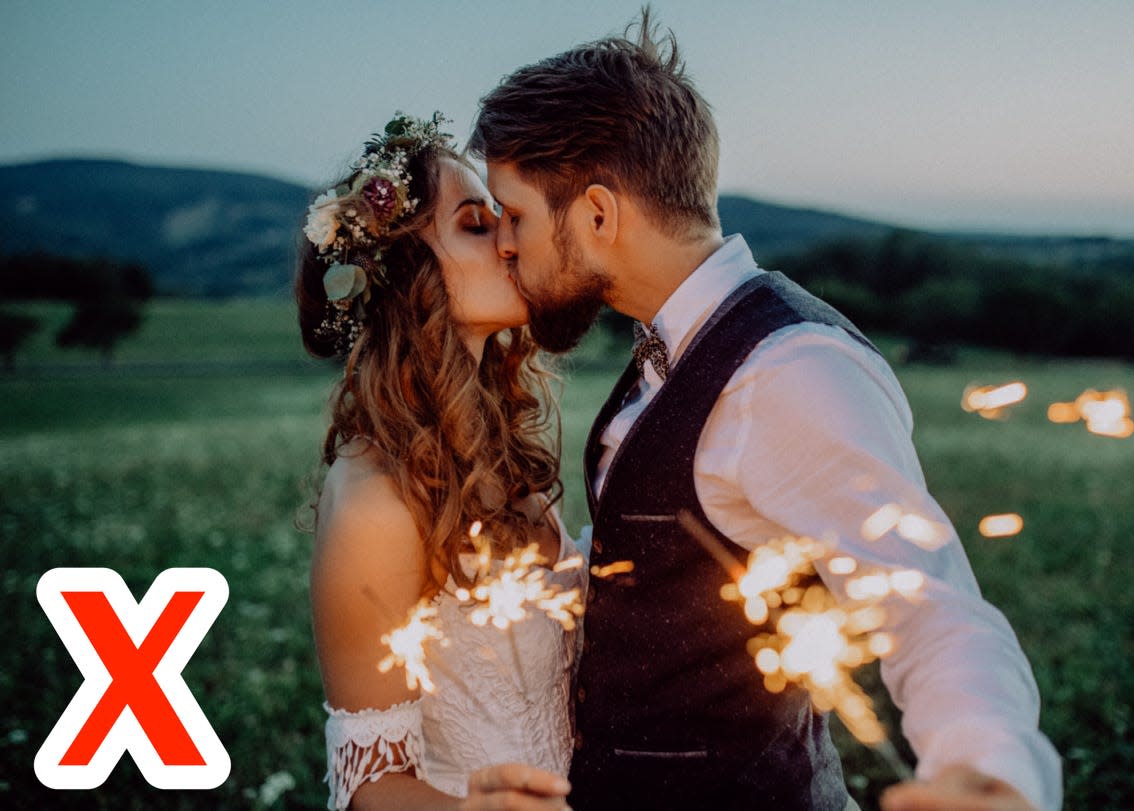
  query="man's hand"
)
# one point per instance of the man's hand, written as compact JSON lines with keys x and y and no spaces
{"x":516,"y":787}
{"x":957,"y":788}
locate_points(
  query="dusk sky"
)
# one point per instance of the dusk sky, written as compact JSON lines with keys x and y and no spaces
{"x":985,"y":114}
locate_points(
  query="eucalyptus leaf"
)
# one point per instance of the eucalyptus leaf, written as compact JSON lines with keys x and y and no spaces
{"x":359,"y":281}
{"x":343,"y":281}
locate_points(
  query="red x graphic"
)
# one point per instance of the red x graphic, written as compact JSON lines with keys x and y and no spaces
{"x":133,"y":697}
{"x":133,"y":685}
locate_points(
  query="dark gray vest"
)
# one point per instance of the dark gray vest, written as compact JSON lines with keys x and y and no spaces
{"x":671,"y":712}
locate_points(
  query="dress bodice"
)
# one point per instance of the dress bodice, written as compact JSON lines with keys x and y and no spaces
{"x":501,"y":695}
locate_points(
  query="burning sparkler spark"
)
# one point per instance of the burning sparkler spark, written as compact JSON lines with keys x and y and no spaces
{"x":1106,"y":413}
{"x":1001,"y":526}
{"x":990,"y":401}
{"x":916,"y":529}
{"x":611,"y":569}
{"x":569,"y":564}
{"x":506,"y":596}
{"x":407,"y":646}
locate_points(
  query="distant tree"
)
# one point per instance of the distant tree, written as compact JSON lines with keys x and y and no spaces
{"x":100,"y":324}
{"x":63,"y":278}
{"x":857,"y":302}
{"x":946,"y":310}
{"x":15,"y":329}
{"x":109,"y":295}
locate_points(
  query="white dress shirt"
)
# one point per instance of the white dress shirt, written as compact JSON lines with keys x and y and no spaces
{"x":812,"y":435}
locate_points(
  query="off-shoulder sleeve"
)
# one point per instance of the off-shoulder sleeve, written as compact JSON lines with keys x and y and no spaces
{"x":365,"y":745}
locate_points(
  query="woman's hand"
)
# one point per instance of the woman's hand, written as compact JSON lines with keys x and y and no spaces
{"x":516,"y":787}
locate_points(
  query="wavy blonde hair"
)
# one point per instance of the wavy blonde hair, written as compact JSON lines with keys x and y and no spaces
{"x":461,"y":442}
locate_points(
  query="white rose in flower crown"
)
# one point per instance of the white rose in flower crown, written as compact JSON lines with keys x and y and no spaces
{"x":322,"y":223}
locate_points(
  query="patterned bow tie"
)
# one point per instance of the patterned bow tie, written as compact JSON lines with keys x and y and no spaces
{"x":649,"y":346}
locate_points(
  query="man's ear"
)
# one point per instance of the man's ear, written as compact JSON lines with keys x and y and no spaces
{"x":600,"y":205}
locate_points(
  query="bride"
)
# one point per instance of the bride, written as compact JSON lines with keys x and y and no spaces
{"x":440,"y":420}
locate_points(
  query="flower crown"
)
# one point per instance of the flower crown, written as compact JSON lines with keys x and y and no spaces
{"x":360,"y":215}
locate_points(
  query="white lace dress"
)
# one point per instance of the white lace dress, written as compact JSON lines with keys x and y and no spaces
{"x":492,"y":703}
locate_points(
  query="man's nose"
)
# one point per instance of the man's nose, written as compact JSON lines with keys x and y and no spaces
{"x":505,"y":244}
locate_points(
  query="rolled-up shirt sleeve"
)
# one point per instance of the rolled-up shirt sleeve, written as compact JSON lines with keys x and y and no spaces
{"x":813,"y":435}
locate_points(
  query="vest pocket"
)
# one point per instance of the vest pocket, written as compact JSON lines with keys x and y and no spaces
{"x":651,"y":754}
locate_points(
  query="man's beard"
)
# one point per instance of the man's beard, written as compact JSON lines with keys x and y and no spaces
{"x":560,"y":320}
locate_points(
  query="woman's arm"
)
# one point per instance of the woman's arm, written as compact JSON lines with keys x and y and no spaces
{"x":368,"y":571}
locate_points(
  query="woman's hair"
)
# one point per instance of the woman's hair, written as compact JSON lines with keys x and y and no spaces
{"x":620,"y":112}
{"x":461,"y":442}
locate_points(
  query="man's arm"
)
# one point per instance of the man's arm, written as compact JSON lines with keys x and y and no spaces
{"x":812,"y":436}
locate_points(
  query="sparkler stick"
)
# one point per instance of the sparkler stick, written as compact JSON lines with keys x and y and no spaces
{"x":519,"y":665}
{"x":711,"y":545}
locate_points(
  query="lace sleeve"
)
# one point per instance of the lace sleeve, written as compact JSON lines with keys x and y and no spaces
{"x":365,"y":745}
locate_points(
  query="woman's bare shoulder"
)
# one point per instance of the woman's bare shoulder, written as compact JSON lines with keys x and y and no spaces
{"x":367,"y":572}
{"x":362,"y":519}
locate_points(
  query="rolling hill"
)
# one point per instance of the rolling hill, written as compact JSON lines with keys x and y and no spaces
{"x":213,"y":233}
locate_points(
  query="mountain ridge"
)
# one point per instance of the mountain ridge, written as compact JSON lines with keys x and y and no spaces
{"x":208,"y":232}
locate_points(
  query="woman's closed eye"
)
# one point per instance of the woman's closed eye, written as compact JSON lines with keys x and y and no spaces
{"x":480,"y":221}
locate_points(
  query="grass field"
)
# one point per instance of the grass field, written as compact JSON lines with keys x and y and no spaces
{"x":199,"y":449}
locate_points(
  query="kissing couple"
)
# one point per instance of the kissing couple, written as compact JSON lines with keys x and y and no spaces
{"x":747,"y":403}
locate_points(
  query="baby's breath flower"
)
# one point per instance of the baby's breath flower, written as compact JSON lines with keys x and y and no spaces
{"x":360,"y":215}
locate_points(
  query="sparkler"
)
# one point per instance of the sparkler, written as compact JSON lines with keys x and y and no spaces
{"x":501,"y":598}
{"x":815,"y":643}
{"x":508,"y":595}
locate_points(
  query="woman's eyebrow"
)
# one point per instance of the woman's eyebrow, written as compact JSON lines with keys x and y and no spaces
{"x":471,"y":201}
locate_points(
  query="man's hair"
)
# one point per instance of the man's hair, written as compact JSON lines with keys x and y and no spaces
{"x":617,"y":112}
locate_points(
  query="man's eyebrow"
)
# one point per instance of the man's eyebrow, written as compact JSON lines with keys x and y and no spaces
{"x":471,"y":201}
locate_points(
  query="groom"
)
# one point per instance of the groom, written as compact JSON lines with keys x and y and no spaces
{"x":764,"y":413}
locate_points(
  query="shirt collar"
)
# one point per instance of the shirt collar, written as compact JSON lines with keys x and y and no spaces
{"x":696,"y":298}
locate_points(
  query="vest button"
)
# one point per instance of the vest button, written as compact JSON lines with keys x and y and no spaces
{"x":578,"y":741}
{"x":596,"y":544}
{"x":586,"y":644}
{"x":581,"y":695}
{"x":590,"y":595}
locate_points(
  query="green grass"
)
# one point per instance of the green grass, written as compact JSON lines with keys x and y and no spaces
{"x":141,"y":469}
{"x":241,"y":330}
